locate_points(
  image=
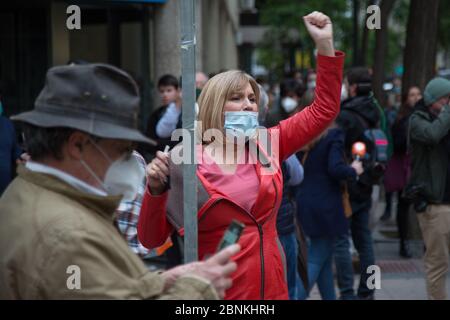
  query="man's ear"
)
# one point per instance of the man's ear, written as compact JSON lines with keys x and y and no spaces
{"x":75,"y":145}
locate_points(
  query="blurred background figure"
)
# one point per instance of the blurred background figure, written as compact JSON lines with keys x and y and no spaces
{"x":360,"y":119}
{"x":10,"y":151}
{"x":291,"y":93}
{"x":398,"y":169}
{"x":166,"y":118}
{"x":320,"y":206}
{"x":200,"y":80}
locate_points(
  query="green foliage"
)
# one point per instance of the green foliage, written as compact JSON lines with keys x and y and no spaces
{"x":284,"y":15}
{"x":444,"y":25}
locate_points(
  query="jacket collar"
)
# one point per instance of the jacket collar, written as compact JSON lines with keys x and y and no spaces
{"x":421,"y":109}
{"x":103,"y":205}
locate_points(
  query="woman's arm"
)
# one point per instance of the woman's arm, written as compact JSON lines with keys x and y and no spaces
{"x":295,"y":171}
{"x":337,"y":167}
{"x":153,"y":227}
{"x":302,"y":127}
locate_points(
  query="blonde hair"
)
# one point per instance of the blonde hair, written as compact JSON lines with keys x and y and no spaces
{"x":215,"y":94}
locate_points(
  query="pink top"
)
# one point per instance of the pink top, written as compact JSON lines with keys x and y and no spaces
{"x":242,"y":186}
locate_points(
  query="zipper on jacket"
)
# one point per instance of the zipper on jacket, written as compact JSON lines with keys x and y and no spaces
{"x":261,"y":253}
{"x":262,"y":243}
{"x":260,"y":231}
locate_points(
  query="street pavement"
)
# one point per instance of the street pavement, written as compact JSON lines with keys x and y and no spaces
{"x":401,"y":279}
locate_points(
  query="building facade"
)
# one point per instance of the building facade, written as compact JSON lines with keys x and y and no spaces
{"x":139,"y":36}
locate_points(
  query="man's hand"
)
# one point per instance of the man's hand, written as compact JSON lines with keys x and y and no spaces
{"x":24,"y":157}
{"x":320,"y":28}
{"x":217,"y":269}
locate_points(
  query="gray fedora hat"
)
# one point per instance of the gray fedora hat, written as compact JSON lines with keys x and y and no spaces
{"x":96,"y":98}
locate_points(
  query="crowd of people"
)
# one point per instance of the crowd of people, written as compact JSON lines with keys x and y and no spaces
{"x":87,"y":180}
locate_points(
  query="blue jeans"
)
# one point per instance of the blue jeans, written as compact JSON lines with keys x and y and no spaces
{"x":362,"y":239}
{"x":320,"y":269}
{"x":290,"y":246}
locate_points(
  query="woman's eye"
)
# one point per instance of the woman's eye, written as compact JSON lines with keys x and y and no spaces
{"x":253,"y":100}
{"x":235,"y":98}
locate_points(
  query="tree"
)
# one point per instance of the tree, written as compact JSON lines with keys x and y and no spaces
{"x":285,"y":16}
{"x":381,"y":48}
{"x":365,"y":37}
{"x":421,"y":43}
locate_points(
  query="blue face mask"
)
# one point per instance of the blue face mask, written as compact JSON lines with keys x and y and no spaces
{"x":1,"y":108}
{"x":241,"y":123}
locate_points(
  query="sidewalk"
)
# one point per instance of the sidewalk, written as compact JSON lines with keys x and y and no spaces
{"x":401,"y":279}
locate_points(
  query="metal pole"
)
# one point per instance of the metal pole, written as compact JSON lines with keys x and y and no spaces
{"x":187,"y":13}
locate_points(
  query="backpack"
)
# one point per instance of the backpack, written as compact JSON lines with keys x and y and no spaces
{"x":376,"y":142}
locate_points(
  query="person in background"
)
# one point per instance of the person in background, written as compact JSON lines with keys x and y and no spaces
{"x":398,"y":168}
{"x":430,"y":175}
{"x":291,"y":92}
{"x":360,"y":112}
{"x":166,"y":118}
{"x":127,"y":216}
{"x":10,"y":152}
{"x":310,"y":88}
{"x":200,"y":80}
{"x":286,"y":225}
{"x":320,"y":208}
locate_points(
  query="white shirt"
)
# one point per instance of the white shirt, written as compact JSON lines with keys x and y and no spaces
{"x":168,"y":122}
{"x":74,"y":182}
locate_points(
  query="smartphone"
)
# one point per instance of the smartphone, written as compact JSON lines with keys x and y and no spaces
{"x":231,"y":235}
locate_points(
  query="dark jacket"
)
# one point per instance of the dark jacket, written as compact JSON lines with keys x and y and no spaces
{"x":430,"y":151}
{"x":400,"y":135}
{"x":9,"y":152}
{"x":358,"y":114}
{"x":286,"y":213}
{"x":319,"y":197}
{"x":149,"y":151}
{"x":398,"y":168}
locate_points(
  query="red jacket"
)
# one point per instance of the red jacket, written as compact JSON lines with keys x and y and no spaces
{"x":261,"y":272}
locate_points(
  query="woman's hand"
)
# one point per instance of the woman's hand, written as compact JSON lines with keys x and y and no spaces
{"x":158,"y":172}
{"x":320,"y":28}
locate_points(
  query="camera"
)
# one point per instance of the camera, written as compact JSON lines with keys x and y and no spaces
{"x":420,"y":205}
{"x":414,"y":194}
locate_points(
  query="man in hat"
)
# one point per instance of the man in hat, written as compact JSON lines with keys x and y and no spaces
{"x":430,"y":150}
{"x":57,"y":235}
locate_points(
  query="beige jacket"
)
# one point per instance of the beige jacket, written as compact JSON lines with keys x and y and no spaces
{"x":48,"y":230}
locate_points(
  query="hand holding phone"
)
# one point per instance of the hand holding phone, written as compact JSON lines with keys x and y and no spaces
{"x":231,"y":235}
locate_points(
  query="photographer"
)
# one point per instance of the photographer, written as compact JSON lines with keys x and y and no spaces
{"x":360,"y":119}
{"x":430,"y":150}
